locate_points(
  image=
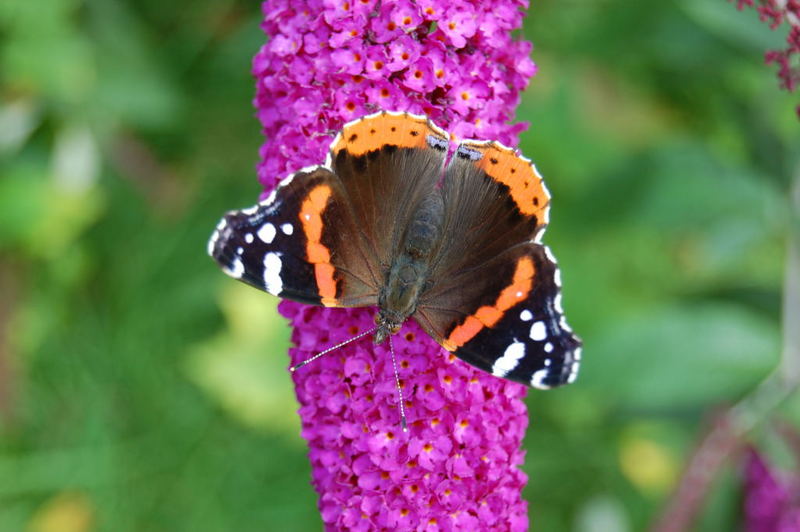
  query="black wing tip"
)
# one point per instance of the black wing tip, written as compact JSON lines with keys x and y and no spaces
{"x":229,"y":241}
{"x":222,"y":247}
{"x":565,"y":373}
{"x":556,"y":366}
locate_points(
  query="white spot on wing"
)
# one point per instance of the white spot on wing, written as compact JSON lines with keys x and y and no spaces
{"x":288,"y":179}
{"x":538,"y":331}
{"x":537,"y":381}
{"x":272,"y":273}
{"x":270,"y":198}
{"x":305,"y":170}
{"x":248,"y":238}
{"x":548,"y":347}
{"x":287,"y":229}
{"x":557,"y":303}
{"x":250,"y":210}
{"x":236,"y":269}
{"x":557,"y":277}
{"x":526,"y":315}
{"x":267,"y":233}
{"x":573,"y":374}
{"x":509,"y":360}
{"x":212,"y":242}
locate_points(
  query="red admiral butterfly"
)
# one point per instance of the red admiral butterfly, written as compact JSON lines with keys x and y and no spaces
{"x":374,"y":227}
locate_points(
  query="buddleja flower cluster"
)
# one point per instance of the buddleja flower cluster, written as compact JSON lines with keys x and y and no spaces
{"x":771,"y":500}
{"x":331,"y":61}
{"x":328,"y":62}
{"x":776,"y":12}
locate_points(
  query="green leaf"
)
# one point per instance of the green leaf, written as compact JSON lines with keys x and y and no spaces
{"x":680,"y":357}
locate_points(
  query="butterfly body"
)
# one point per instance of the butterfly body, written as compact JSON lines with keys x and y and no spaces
{"x":410,"y":269}
{"x":391,"y":221}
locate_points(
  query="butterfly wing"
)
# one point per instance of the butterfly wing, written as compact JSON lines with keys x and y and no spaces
{"x":496,"y":299}
{"x":388,"y":162}
{"x":505,"y":317}
{"x":294,"y":244}
{"x":327,"y":234}
{"x":494,"y":199}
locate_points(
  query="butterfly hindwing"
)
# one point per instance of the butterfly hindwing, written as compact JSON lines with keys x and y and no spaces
{"x":505,"y":317}
{"x":298,"y":244}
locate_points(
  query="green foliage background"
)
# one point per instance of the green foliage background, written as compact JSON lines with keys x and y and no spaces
{"x":141,"y":390}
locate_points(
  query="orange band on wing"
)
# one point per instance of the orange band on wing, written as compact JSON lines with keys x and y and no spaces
{"x":316,"y":252}
{"x":518,"y":175}
{"x":488,"y":315}
{"x":372,"y":133}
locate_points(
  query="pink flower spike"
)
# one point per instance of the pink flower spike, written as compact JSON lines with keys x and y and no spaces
{"x":769,"y":505}
{"x":457,"y":467}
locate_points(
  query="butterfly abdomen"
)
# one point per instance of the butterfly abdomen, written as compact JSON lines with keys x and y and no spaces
{"x":425,"y":228}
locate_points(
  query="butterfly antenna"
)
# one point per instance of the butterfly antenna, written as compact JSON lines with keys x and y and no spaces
{"x":337,"y":346}
{"x":403,"y":423}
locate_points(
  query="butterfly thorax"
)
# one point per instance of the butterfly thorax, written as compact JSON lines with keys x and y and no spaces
{"x":409,"y":272}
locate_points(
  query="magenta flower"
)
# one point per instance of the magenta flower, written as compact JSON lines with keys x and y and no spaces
{"x":771,"y":500}
{"x":328,"y":62}
{"x":419,"y":76}
{"x":403,"y":52}
{"x":459,"y":24}
{"x":776,"y":12}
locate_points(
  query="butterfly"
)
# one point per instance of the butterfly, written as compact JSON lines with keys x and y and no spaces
{"x":393,"y":220}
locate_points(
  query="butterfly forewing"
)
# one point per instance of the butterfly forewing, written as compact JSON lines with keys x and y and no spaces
{"x":388,"y":163}
{"x":494,"y":199}
{"x":301,"y":243}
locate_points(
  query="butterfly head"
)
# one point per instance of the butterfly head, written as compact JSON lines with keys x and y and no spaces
{"x":387,"y":325}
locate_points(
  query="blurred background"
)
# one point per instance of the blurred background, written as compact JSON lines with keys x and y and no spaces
{"x":142,"y":390}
